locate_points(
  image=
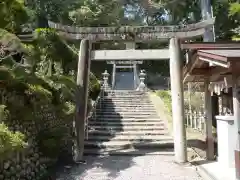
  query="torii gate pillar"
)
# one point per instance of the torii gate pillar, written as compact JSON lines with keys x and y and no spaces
{"x":81,"y":99}
{"x":179,"y":130}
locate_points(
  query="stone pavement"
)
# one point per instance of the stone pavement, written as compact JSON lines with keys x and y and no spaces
{"x":154,"y":167}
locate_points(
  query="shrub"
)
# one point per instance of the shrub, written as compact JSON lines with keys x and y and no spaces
{"x":166,"y":97}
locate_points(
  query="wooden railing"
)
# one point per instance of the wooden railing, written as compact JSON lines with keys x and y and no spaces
{"x":195,"y":120}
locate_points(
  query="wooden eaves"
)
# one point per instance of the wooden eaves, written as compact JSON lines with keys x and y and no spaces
{"x":223,"y":56}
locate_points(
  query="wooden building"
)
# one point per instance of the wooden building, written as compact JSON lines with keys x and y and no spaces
{"x":218,"y":66}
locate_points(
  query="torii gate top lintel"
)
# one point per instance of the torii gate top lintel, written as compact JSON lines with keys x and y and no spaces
{"x":133,"y":33}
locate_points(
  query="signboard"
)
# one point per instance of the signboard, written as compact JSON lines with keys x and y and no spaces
{"x":125,"y":62}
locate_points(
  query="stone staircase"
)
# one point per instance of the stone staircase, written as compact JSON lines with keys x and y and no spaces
{"x":126,"y":123}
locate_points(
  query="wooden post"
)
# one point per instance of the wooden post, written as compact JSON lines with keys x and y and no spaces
{"x":176,"y":65}
{"x":81,"y":98}
{"x":191,"y":119}
{"x":208,"y":118}
{"x":195,"y":119}
{"x":200,"y":120}
{"x":236,"y":111}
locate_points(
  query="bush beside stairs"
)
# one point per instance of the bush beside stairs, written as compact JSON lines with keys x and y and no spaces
{"x":126,"y":123}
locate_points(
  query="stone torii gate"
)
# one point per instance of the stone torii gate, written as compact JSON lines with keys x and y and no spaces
{"x":87,"y":35}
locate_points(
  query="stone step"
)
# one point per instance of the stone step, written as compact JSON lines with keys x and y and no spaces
{"x":130,"y":144}
{"x":130,"y":138}
{"x":126,"y":110}
{"x":125,"y":95}
{"x":128,"y":128}
{"x":126,"y":99}
{"x":125,"y":105}
{"x":127,"y":91}
{"x":129,"y":152}
{"x":118,"y":118}
{"x":126,"y":133}
{"x":136,"y":98}
{"x":129,"y":108}
{"x":122,"y":105}
{"x":129,"y":104}
{"x":126,"y":113}
{"x":121,"y":116}
{"x":126,"y":102}
{"x":122,"y":123}
{"x":132,"y":120}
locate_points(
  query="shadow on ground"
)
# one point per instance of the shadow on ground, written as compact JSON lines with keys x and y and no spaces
{"x":109,"y":166}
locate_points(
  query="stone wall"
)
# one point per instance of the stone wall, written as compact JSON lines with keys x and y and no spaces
{"x":32,"y":163}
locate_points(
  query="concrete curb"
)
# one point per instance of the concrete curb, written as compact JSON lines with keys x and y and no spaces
{"x":203,"y":172}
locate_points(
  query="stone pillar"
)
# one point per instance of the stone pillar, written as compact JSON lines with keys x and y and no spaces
{"x":113,"y":75}
{"x":236,"y":111}
{"x":179,"y":130}
{"x":81,"y":98}
{"x":209,"y":121}
{"x":134,"y":75}
{"x":105,"y":80}
{"x":142,"y":85}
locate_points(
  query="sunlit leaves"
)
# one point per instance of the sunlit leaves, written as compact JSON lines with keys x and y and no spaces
{"x":234,"y":9}
{"x":10,"y":141}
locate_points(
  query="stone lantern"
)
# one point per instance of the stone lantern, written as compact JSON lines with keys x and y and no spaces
{"x":142,"y":85}
{"x":105,"y":79}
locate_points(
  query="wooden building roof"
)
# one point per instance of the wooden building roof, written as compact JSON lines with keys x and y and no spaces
{"x":223,"y":57}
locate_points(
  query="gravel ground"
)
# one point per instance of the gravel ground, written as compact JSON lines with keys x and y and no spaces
{"x":130,"y":168}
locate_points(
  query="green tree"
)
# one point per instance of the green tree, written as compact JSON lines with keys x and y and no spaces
{"x":234,"y":12}
{"x":13,"y":13}
{"x":97,"y":13}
